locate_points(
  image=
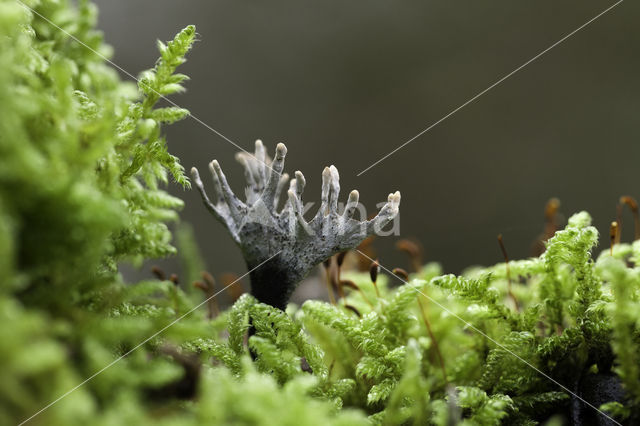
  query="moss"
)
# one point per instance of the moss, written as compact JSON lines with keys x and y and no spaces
{"x":82,"y":164}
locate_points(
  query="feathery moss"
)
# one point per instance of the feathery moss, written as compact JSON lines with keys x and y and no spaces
{"x":83,"y":161}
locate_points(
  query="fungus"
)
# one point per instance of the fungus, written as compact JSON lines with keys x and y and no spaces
{"x":281,"y":247}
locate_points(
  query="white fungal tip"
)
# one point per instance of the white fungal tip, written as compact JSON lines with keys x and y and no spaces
{"x":300,"y":180}
{"x":396,"y":197}
{"x":300,"y":241}
{"x":281,"y":150}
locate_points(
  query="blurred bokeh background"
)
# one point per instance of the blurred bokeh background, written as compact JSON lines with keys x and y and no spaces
{"x":345,"y":82}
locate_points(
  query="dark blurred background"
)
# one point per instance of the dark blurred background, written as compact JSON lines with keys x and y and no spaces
{"x":345,"y":82}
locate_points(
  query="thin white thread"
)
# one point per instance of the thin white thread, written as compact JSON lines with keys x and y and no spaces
{"x":490,"y":87}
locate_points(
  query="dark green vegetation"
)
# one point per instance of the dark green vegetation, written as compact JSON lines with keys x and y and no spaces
{"x":81,"y":159}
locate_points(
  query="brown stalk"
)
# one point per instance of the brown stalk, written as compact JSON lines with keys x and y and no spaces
{"x":413,"y":250}
{"x":506,"y":261}
{"x":433,"y":339}
{"x":353,"y":309}
{"x":212,"y":303}
{"x":354,"y":286}
{"x":236,"y":289}
{"x":401,"y":273}
{"x":366,"y":247}
{"x":334,"y":279}
{"x":158,"y":273}
{"x":340,"y":258}
{"x":338,"y":270}
{"x":550,"y":216}
{"x":174,"y":279}
{"x":633,"y":205}
{"x":619,"y":207}
{"x":613,"y":231}
{"x":550,"y":226}
{"x":374,"y":269}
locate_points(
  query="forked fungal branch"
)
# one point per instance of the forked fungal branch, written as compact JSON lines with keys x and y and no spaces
{"x":262,"y":232}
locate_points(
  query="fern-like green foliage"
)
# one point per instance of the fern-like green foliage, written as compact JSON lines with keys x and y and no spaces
{"x":83,"y":162}
{"x":81,"y":157}
{"x":490,"y":362}
{"x":623,"y":315}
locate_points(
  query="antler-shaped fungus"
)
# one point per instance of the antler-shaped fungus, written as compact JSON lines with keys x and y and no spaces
{"x":262,"y":232}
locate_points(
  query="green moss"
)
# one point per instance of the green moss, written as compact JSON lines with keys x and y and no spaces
{"x":82,"y":164}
